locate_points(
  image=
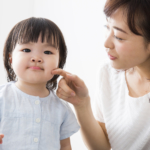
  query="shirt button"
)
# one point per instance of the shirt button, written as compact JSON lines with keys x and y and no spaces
{"x":37,"y":102}
{"x":38,"y":120}
{"x":36,"y":140}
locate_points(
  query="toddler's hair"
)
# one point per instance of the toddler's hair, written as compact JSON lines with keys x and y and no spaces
{"x":29,"y":30}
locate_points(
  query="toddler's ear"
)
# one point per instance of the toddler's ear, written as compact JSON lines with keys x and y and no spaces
{"x":10,"y":58}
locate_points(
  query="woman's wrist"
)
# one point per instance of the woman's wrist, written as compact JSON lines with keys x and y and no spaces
{"x":84,"y":105}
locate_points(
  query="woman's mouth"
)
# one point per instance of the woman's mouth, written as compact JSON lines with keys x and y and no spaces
{"x":112,"y":57}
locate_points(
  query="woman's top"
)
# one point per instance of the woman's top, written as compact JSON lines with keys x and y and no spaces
{"x":33,"y":123}
{"x":127,"y":119}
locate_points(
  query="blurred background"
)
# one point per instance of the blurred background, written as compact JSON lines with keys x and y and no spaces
{"x":82,"y":24}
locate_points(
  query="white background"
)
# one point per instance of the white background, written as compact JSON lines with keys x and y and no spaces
{"x":82,"y":23}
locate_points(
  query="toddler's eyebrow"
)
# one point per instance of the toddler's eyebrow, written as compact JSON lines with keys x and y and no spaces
{"x":48,"y":44}
{"x":45,"y":44}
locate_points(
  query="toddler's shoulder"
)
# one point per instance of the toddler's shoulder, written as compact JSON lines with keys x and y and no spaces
{"x":4,"y":87}
{"x":61,"y":104}
{"x":5,"y":91}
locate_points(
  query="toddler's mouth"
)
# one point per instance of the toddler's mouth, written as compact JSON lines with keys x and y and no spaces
{"x":36,"y":68}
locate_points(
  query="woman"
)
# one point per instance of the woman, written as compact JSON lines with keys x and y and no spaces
{"x":122,"y":107}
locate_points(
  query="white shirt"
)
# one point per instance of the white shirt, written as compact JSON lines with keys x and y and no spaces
{"x":127,"y":119}
{"x":33,"y":123}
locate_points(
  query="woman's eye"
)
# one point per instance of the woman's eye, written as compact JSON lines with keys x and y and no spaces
{"x":106,"y":27}
{"x":26,"y":50}
{"x":118,"y":38}
{"x":48,"y":52}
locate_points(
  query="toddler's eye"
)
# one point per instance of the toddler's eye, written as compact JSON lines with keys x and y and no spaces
{"x":26,"y":50}
{"x":48,"y":52}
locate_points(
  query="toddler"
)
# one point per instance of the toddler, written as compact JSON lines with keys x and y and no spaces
{"x":32,"y":117}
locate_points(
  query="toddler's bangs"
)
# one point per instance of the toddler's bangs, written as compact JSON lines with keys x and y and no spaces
{"x":29,"y":31}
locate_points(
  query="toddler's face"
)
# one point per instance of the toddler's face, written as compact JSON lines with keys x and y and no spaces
{"x":33,"y":62}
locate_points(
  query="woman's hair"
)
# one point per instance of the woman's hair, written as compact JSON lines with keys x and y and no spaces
{"x":29,"y":30}
{"x":137,"y":12}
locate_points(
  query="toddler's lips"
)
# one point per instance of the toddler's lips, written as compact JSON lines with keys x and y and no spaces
{"x":35,"y":68}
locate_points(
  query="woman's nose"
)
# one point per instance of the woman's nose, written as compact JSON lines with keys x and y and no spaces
{"x":36,"y":59}
{"x":109,"y":41}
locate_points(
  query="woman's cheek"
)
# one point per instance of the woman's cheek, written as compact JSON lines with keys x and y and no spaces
{"x":122,"y":49}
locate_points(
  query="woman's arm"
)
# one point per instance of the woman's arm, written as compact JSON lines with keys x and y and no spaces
{"x":65,"y":144}
{"x":72,"y":89}
{"x":92,"y":132}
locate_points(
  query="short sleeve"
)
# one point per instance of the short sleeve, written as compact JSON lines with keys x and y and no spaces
{"x":97,"y":103}
{"x":1,"y":96}
{"x":2,"y":92}
{"x":69,"y":125}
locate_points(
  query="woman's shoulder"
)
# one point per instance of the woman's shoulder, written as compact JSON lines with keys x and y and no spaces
{"x":108,"y":77}
{"x":106,"y":70}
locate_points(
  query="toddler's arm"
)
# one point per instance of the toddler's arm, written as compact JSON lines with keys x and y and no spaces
{"x":1,"y":136}
{"x":65,"y":144}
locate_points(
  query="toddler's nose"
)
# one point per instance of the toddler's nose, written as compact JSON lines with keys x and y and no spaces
{"x":35,"y":59}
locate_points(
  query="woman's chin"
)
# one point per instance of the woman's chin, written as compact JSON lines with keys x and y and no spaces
{"x":119,"y":66}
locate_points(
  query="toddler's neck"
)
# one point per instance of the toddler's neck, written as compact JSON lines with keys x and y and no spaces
{"x":38,"y":89}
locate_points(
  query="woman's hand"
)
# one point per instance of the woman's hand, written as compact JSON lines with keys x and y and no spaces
{"x":71,"y":88}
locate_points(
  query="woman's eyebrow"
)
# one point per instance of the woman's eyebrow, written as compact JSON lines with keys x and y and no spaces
{"x":119,"y":29}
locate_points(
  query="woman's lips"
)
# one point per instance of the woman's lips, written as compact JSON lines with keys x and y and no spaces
{"x":112,"y":57}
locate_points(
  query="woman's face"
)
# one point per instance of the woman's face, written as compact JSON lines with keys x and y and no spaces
{"x":124,"y":48}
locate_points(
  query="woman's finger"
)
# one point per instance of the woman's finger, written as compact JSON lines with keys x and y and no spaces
{"x":66,"y":98}
{"x":76,"y":80}
{"x":63,"y":85}
{"x":59,"y":72}
{"x":62,"y":92}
